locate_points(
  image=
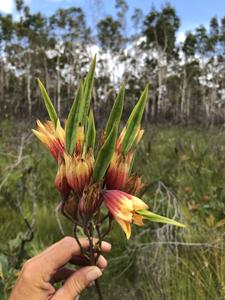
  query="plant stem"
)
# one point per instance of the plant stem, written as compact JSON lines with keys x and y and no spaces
{"x":93,"y":261}
{"x":98,"y":289}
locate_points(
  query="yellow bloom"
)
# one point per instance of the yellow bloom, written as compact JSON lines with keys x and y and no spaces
{"x":53,"y":138}
{"x":124,"y":209}
{"x":78,"y":172}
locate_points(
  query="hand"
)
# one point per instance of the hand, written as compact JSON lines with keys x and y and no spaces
{"x":40,"y":272}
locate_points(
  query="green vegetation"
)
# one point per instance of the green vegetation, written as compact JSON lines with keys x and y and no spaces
{"x":184,"y":171}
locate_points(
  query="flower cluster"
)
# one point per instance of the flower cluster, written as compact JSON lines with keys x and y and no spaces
{"x":88,"y":179}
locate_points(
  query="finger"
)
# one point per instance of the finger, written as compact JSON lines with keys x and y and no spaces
{"x":77,"y":282}
{"x":61,"y":274}
{"x":105,"y":247}
{"x":60,"y":253}
{"x":82,"y":261}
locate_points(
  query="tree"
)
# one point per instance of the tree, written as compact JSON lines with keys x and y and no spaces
{"x":109,"y":34}
{"x":160,"y":29}
{"x":122,"y":8}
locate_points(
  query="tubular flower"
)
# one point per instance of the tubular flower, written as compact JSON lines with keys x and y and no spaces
{"x":90,"y":201}
{"x":78,"y":172}
{"x":118,"y":171}
{"x":120,"y":165}
{"x":61,"y":182}
{"x":52,"y":138}
{"x":71,"y":206}
{"x":124,"y":209}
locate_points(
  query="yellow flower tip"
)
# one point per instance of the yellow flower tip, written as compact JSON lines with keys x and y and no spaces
{"x":139,"y":136}
{"x":42,"y":137}
{"x":60,"y":132}
{"x":139,"y":204}
{"x":79,"y":139}
{"x":120,"y":139}
{"x":125,"y":226}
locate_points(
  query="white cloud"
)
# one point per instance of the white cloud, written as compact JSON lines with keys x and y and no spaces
{"x":6,"y":6}
{"x":181,"y":36}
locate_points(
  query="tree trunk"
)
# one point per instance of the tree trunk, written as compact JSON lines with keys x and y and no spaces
{"x":58,"y":86}
{"x":29,"y":84}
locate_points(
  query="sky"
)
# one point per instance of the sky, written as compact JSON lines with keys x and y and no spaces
{"x":191,"y":12}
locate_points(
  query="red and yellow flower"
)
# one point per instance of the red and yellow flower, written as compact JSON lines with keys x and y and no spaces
{"x":78,"y":171}
{"x":53,"y":138}
{"x":118,"y":171}
{"x":61,"y":182}
{"x":124,"y":209}
{"x":117,"y":177}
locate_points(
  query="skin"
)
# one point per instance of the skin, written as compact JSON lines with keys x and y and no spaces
{"x":39,"y":273}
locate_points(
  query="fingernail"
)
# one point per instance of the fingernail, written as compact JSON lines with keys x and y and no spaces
{"x":93,"y":274}
{"x":106,"y":244}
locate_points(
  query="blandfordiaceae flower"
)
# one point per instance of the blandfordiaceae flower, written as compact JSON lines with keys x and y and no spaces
{"x":124,"y":209}
{"x":52,"y":137}
{"x":118,"y":171}
{"x":61,"y":182}
{"x":78,"y":171}
{"x":117,"y":175}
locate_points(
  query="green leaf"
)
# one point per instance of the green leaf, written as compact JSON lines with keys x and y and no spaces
{"x":4,"y":266}
{"x":48,"y":103}
{"x":105,"y":155}
{"x":73,"y":120}
{"x":88,"y":86}
{"x":157,"y":218}
{"x":134,"y":121}
{"x":91,"y":132}
{"x":116,"y":112}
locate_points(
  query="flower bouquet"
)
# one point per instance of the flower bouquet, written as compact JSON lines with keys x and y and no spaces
{"x":97,"y":186}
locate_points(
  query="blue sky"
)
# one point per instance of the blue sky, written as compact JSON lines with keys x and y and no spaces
{"x":191,"y":12}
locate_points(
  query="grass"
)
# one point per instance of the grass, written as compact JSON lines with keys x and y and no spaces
{"x":184,"y":172}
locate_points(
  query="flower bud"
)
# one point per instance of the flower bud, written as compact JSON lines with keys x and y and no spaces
{"x":61,"y":182}
{"x":90,"y":201}
{"x":133,"y":185}
{"x":71,"y":206}
{"x":78,"y":172}
{"x":118,"y":171}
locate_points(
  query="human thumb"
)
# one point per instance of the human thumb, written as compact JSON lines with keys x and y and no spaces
{"x":77,"y":282}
